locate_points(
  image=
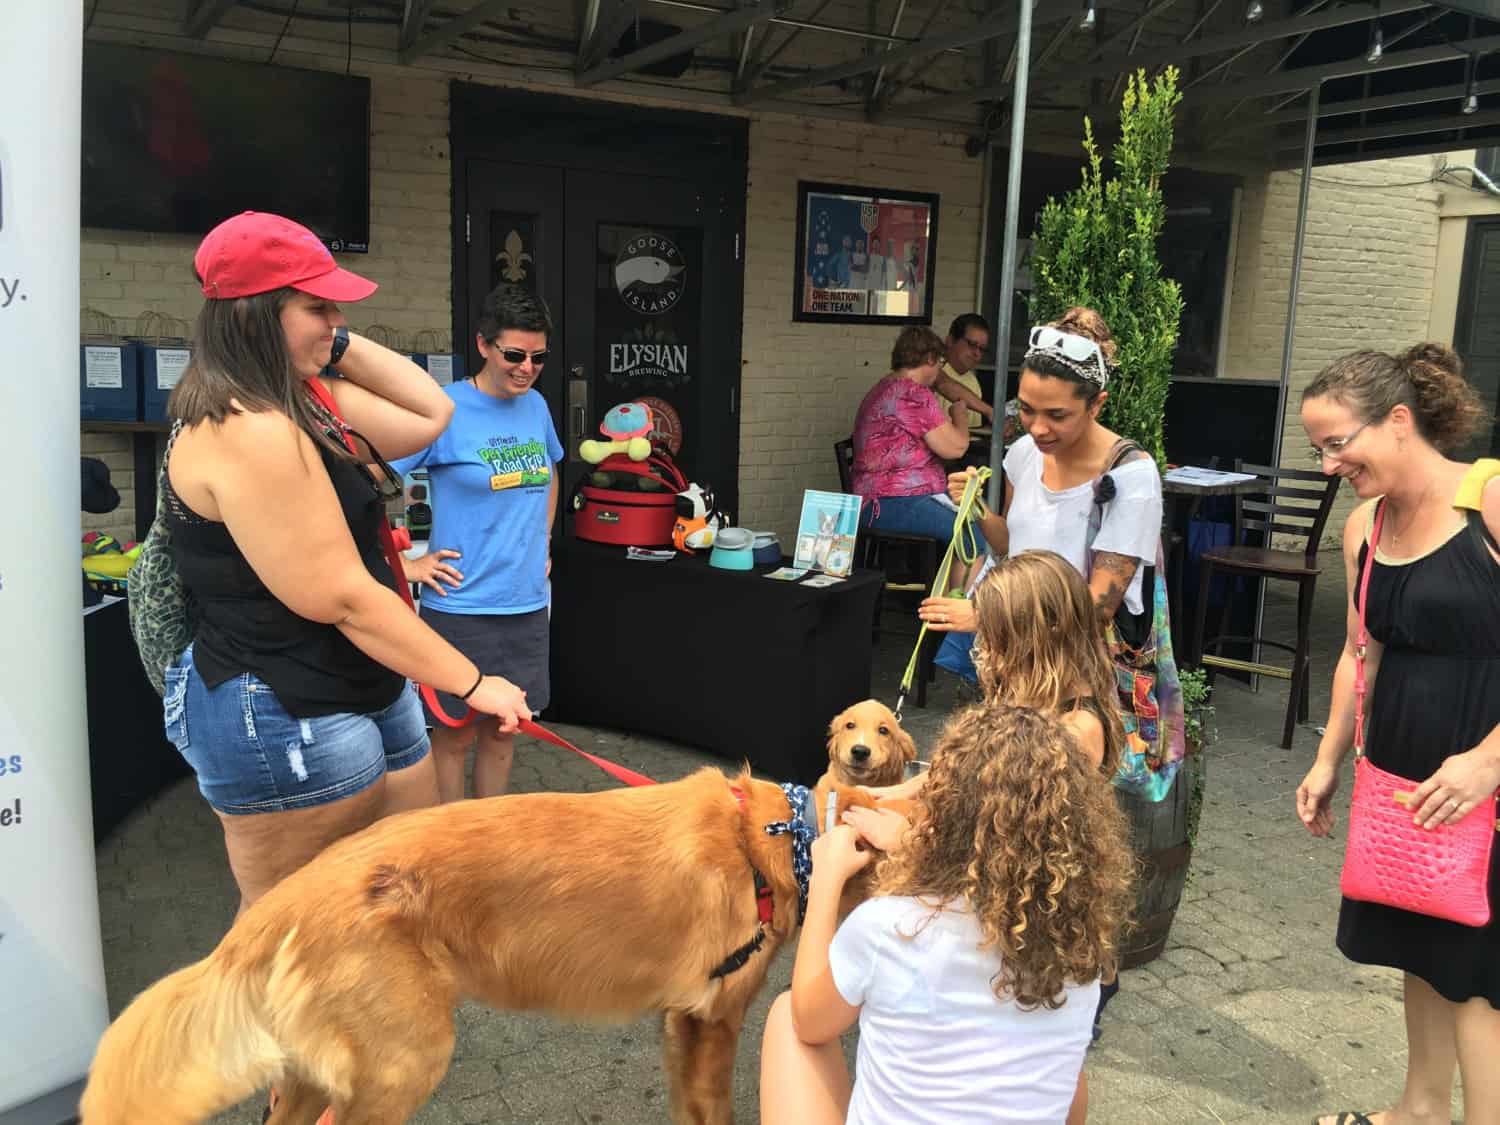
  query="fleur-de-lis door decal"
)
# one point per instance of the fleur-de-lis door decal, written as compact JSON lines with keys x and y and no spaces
{"x":513,"y":258}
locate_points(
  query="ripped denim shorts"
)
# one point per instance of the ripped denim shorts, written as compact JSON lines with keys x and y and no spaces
{"x":252,"y":757}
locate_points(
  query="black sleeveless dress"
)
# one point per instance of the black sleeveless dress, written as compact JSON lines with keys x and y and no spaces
{"x":1437,"y":694}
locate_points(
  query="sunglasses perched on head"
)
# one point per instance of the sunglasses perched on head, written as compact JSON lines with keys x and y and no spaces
{"x":521,"y":355}
{"x":1080,"y":349}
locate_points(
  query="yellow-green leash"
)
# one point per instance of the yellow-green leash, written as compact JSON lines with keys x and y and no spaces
{"x":965,"y":545}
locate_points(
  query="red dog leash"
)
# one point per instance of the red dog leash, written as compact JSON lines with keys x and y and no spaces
{"x":393,"y":551}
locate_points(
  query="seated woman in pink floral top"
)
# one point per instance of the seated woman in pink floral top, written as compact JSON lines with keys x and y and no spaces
{"x":902,"y":436}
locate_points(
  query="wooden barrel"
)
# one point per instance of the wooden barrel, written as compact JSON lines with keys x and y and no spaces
{"x":1159,"y":835}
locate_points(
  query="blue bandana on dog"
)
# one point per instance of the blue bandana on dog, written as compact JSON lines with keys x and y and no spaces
{"x":803,"y":830}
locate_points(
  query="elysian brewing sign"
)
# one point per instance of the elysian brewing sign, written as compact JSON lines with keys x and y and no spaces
{"x":647,"y":305}
{"x":634,"y":361}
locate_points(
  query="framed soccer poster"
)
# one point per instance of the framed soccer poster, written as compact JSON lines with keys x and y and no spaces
{"x":864,"y":255}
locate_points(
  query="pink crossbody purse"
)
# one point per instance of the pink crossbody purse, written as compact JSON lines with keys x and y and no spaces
{"x":1442,"y":872}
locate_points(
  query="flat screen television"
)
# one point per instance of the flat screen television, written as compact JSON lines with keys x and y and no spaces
{"x":178,"y":143}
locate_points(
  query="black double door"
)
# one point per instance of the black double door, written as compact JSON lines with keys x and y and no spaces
{"x":631,"y":231}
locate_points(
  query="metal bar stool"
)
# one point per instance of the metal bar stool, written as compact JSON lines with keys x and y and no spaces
{"x":1280,"y":508}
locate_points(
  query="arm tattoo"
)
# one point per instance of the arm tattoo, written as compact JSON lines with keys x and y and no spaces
{"x":1120,"y":569}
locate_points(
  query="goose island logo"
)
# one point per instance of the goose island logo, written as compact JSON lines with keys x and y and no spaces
{"x":650,"y":274}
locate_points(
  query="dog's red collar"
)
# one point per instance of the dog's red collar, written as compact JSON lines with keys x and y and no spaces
{"x":763,"y":907}
{"x":763,"y":901}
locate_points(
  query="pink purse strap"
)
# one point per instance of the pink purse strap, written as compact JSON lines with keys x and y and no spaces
{"x":1362,"y":641}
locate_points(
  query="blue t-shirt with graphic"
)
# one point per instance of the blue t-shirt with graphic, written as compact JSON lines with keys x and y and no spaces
{"x":491,"y":471}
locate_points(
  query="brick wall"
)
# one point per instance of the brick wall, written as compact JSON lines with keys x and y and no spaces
{"x":1367,"y":276}
{"x":801,"y":383}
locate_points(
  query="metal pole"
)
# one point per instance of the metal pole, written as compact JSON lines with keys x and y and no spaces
{"x":996,"y":496}
{"x":1309,"y":143}
{"x":1291,"y":298}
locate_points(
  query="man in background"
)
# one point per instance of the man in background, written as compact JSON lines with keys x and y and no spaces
{"x":968,"y":340}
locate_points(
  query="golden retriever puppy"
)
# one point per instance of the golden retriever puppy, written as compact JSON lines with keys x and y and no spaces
{"x":866,"y":746}
{"x":339,"y":985}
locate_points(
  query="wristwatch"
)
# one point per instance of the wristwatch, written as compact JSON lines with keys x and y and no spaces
{"x":340,"y":345}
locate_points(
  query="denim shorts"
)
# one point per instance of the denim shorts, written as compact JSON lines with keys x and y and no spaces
{"x":252,"y":757}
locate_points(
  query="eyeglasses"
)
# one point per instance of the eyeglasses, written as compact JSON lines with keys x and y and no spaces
{"x":390,"y":485}
{"x":520,"y":355}
{"x":1080,"y":349}
{"x":977,"y":345}
{"x":1334,"y":447}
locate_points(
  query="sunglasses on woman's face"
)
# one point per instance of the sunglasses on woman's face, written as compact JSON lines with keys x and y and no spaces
{"x":520,"y":355}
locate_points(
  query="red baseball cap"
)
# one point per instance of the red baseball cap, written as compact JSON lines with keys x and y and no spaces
{"x":255,"y":252}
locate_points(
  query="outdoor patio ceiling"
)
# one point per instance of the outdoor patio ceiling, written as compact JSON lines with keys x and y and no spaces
{"x":1395,"y":77}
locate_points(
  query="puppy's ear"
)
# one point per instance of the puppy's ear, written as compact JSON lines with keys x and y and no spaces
{"x":908,"y":746}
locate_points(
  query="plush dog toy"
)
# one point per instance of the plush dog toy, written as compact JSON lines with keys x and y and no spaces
{"x":627,"y":427}
{"x":697,"y":519}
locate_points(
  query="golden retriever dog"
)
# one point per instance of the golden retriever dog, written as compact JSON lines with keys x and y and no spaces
{"x":339,"y":985}
{"x":866,"y":746}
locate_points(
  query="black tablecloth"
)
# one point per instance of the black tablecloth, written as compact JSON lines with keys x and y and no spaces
{"x":730,"y":662}
{"x":130,"y":759}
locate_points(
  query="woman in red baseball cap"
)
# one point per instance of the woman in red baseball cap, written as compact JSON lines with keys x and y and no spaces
{"x":293,"y":704}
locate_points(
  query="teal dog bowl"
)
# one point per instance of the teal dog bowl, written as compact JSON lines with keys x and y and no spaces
{"x":733,"y":549}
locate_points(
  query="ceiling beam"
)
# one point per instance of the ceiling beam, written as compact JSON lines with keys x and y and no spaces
{"x":896,"y":77}
{"x":450,"y":30}
{"x":1304,"y":78}
{"x":1456,"y":91}
{"x":203,"y":15}
{"x":610,"y":19}
{"x":1177,"y":53}
{"x":1131,"y":31}
{"x":413,"y":20}
{"x":1413,"y":127}
{"x":961,"y":37}
{"x":759,"y":63}
{"x":716,"y":27}
{"x":1429,"y":147}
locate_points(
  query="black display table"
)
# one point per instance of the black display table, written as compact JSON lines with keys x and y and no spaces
{"x":130,"y":759}
{"x":730,"y":662}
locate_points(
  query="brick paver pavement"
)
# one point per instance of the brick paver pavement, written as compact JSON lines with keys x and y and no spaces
{"x":1251,"y":1015}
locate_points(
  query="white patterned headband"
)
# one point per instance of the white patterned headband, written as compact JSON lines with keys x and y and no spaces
{"x":1080,"y":355}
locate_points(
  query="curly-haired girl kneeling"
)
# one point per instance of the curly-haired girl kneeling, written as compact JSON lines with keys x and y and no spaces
{"x":975,"y":973}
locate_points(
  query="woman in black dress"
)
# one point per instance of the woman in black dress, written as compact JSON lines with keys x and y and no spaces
{"x":1385,"y":423}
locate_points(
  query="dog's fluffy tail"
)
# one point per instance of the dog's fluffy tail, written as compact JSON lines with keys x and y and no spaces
{"x":192,"y":1044}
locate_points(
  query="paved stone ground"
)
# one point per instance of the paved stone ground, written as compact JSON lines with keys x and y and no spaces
{"x":1251,"y":1015}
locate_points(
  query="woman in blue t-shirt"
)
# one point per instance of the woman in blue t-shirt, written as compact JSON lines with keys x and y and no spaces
{"x":494,"y":497}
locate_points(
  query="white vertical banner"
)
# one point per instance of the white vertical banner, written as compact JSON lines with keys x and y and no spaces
{"x":52,"y":1000}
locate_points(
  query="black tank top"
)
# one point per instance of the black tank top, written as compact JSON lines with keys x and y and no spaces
{"x":242,"y":627}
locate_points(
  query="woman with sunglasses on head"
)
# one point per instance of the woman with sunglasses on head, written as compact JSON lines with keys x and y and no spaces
{"x":1051,"y":472}
{"x":292,"y":704}
{"x":494,"y":497}
{"x":1387,"y":424}
{"x":1075,"y":487}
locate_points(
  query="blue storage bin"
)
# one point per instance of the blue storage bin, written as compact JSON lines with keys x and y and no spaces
{"x":109,"y":382}
{"x":443,"y":368}
{"x":161,"y":366}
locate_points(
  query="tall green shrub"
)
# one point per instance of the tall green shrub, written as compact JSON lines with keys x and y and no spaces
{"x":1097,"y":247}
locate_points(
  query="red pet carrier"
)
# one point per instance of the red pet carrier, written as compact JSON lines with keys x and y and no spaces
{"x":625,"y":514}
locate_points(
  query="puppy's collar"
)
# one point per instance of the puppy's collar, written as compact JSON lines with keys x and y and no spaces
{"x":802,"y":834}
